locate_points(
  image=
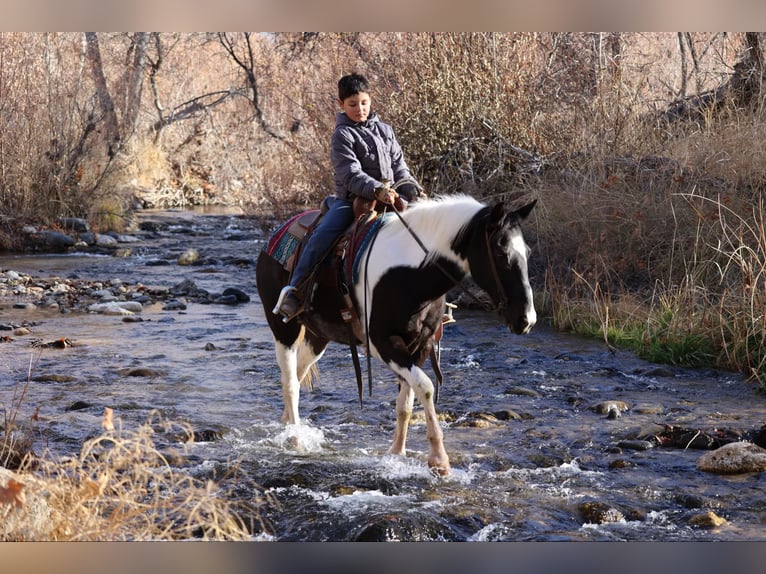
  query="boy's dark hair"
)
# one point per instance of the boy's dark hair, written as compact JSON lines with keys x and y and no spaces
{"x":351,"y":85}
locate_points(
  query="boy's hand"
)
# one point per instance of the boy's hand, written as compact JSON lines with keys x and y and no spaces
{"x":386,"y":195}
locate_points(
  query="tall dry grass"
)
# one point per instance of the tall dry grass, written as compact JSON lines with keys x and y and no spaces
{"x":122,"y":486}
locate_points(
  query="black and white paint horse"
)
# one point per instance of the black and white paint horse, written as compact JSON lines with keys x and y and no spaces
{"x":399,"y":296}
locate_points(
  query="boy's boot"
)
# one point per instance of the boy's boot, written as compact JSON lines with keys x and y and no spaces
{"x":288,"y":304}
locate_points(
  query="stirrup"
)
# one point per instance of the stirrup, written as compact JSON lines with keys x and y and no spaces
{"x":447,"y":316}
{"x":281,"y":299}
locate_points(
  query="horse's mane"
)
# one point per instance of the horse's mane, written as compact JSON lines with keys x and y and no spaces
{"x":436,"y":221}
{"x":444,"y":214}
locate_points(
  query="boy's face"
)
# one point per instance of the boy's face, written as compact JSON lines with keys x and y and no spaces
{"x":356,"y":107}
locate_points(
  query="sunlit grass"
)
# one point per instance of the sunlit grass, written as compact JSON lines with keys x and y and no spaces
{"x":122,"y":486}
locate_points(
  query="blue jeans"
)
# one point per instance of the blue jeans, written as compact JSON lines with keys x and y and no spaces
{"x":333,"y":223}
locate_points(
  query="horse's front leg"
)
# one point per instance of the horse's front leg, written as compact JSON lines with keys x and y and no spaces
{"x":403,"y":414}
{"x":423,"y":389}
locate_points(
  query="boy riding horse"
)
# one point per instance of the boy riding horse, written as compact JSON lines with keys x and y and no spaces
{"x":364,"y":153}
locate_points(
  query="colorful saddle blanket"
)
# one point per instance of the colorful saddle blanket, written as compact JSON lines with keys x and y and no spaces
{"x":283,"y":245}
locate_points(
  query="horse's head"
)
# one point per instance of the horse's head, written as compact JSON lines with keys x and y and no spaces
{"x":498,"y":262}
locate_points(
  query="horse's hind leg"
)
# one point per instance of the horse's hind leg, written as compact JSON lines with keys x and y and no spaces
{"x":404,"y":404}
{"x":295,"y":363}
{"x":287,"y":358}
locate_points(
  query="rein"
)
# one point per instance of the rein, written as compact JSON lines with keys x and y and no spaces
{"x":456,"y":282}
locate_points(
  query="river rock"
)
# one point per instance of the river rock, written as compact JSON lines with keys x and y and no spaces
{"x":596,"y":512}
{"x":54,"y":241}
{"x":174,"y":305}
{"x":707,"y":519}
{"x":240,"y":295}
{"x":103,"y":240}
{"x":74,"y":224}
{"x":734,"y":458}
{"x":116,"y":308}
{"x":105,"y":295}
{"x":605,"y":407}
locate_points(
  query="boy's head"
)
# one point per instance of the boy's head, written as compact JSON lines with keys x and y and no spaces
{"x":351,"y":85}
{"x":354,"y":97}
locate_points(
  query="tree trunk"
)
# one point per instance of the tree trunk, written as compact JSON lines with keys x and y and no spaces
{"x":109,"y":116}
{"x":135,"y":83}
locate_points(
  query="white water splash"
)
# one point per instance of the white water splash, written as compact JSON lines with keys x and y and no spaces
{"x":302,"y":439}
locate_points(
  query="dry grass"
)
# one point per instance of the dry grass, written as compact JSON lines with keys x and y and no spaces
{"x":122,"y":487}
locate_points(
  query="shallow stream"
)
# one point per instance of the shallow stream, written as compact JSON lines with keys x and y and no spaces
{"x":533,"y":459}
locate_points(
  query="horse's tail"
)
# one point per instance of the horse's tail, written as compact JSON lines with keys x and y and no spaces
{"x":311,"y":375}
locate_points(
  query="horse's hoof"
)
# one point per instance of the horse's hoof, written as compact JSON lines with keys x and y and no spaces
{"x":440,"y":470}
{"x":439,"y":467}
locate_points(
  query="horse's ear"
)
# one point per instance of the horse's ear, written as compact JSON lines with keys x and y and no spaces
{"x":497,"y":215}
{"x":523,"y":212}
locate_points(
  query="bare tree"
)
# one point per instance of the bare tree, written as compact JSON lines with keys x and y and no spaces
{"x":104,"y":96}
{"x":135,"y":82}
{"x":243,"y":55}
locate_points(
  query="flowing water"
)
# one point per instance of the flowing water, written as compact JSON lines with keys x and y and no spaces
{"x":532,"y":458}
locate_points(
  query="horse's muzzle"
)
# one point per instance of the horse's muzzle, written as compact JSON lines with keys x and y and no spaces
{"x":524,"y":323}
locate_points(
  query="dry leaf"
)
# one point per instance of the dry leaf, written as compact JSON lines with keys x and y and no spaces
{"x":12,"y":494}
{"x":107,"y":422}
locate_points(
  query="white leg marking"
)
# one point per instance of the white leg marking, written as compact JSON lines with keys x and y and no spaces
{"x":287,"y":358}
{"x":403,"y":414}
{"x":423,"y":389}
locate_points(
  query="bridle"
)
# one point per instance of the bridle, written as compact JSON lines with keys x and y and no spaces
{"x":503,"y":303}
{"x":488,"y":237}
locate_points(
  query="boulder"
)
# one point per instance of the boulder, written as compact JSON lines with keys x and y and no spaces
{"x":734,"y":458}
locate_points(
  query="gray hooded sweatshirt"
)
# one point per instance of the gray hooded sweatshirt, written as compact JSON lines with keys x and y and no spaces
{"x":365,"y":153}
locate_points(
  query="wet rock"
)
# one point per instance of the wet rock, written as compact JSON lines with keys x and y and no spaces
{"x":707,"y":519}
{"x":648,"y":409}
{"x":635,"y":444}
{"x":174,"y":305}
{"x":141,"y":372}
{"x":522,"y":391}
{"x":210,"y":347}
{"x":53,"y":378}
{"x":606,"y":407}
{"x":509,"y":415}
{"x":595,"y":512}
{"x":78,"y":406}
{"x":53,"y":241}
{"x":690,"y":500}
{"x":226,"y":300}
{"x":21,"y":331}
{"x":659,"y":372}
{"x":734,"y":458}
{"x":207,"y":435}
{"x":410,"y":527}
{"x":151,"y":226}
{"x":189,"y":288}
{"x":479,"y":420}
{"x":116,"y":308}
{"x":105,"y":295}
{"x":103,"y":240}
{"x":621,"y":463}
{"x":74,"y":224}
{"x":240,"y":295}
